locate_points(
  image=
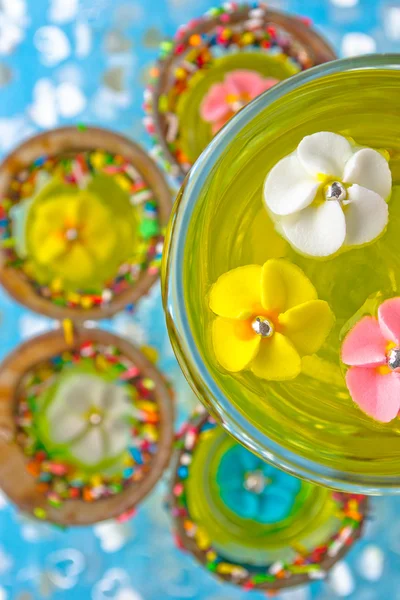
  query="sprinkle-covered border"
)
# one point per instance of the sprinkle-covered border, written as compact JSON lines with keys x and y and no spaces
{"x":189,"y":535}
{"x":197,"y":52}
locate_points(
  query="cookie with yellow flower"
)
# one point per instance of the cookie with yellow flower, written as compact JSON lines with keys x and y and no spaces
{"x":82,"y":219}
{"x":76,"y":237}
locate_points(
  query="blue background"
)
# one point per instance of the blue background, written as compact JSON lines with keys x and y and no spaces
{"x":68,"y":61}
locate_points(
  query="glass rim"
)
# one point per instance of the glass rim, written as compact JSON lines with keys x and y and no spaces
{"x":182,"y":338}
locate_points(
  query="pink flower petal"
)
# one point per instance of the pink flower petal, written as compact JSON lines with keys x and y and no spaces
{"x":364,"y":345}
{"x":219,"y":124}
{"x":389,"y":319}
{"x":377,"y":395}
{"x":265,"y":84}
{"x":214,"y":105}
{"x":245,"y":82}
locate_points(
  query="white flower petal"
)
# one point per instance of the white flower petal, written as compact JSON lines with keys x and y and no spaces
{"x":288,"y":187}
{"x":366,"y":216}
{"x":324,"y":153}
{"x":66,"y":428}
{"x":118,"y":435}
{"x":316,"y":230}
{"x":90,"y":450}
{"x":99,"y":392}
{"x":121,"y":409}
{"x":370,"y":169}
{"x":75,"y":395}
{"x":116,"y":400}
{"x":91,"y":391}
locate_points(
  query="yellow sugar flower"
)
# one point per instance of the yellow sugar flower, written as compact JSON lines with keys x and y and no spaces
{"x":268,"y":318}
{"x":75,"y":237}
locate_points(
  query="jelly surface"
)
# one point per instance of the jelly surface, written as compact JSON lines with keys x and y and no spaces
{"x":312,"y":415}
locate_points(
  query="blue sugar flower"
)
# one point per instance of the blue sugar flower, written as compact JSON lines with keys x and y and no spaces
{"x":254,"y":489}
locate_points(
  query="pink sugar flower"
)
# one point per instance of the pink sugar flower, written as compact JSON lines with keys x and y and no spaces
{"x":224,"y":99}
{"x":372,"y":350}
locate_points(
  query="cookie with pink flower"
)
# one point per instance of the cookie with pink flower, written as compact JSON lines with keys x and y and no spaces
{"x":214,"y":66}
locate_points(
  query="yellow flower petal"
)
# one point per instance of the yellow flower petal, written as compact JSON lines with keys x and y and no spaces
{"x":284,"y":285}
{"x":99,"y":248}
{"x":308,"y":325}
{"x":102,"y":248}
{"x":74,"y":208}
{"x":235,"y":344}
{"x":77,"y":265}
{"x":236,"y":294}
{"x":94,"y":215}
{"x":277,"y":359}
{"x":48,"y":248}
{"x":101,"y":240}
{"x":50,"y":215}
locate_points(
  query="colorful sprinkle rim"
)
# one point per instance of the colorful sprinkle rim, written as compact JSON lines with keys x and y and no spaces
{"x":55,"y":490}
{"x":232,"y":27}
{"x":304,"y":568}
{"x":60,"y":481}
{"x":75,"y":153}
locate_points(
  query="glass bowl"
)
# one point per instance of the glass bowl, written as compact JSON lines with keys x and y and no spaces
{"x":311,"y":429}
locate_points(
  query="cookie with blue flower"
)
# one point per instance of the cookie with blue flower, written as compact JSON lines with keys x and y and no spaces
{"x":247,"y":521}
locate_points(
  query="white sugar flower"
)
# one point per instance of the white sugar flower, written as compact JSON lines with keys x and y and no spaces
{"x":329,"y":194}
{"x":90,"y":418}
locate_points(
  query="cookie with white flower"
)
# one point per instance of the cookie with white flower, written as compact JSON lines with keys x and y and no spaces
{"x":330,"y":194}
{"x":85,"y":426}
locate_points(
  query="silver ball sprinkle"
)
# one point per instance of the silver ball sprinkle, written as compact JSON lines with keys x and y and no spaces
{"x":71,"y":234}
{"x":255,"y":481}
{"x":263,"y":327}
{"x":336,"y":191}
{"x":393,"y":359}
{"x":95,"y":419}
